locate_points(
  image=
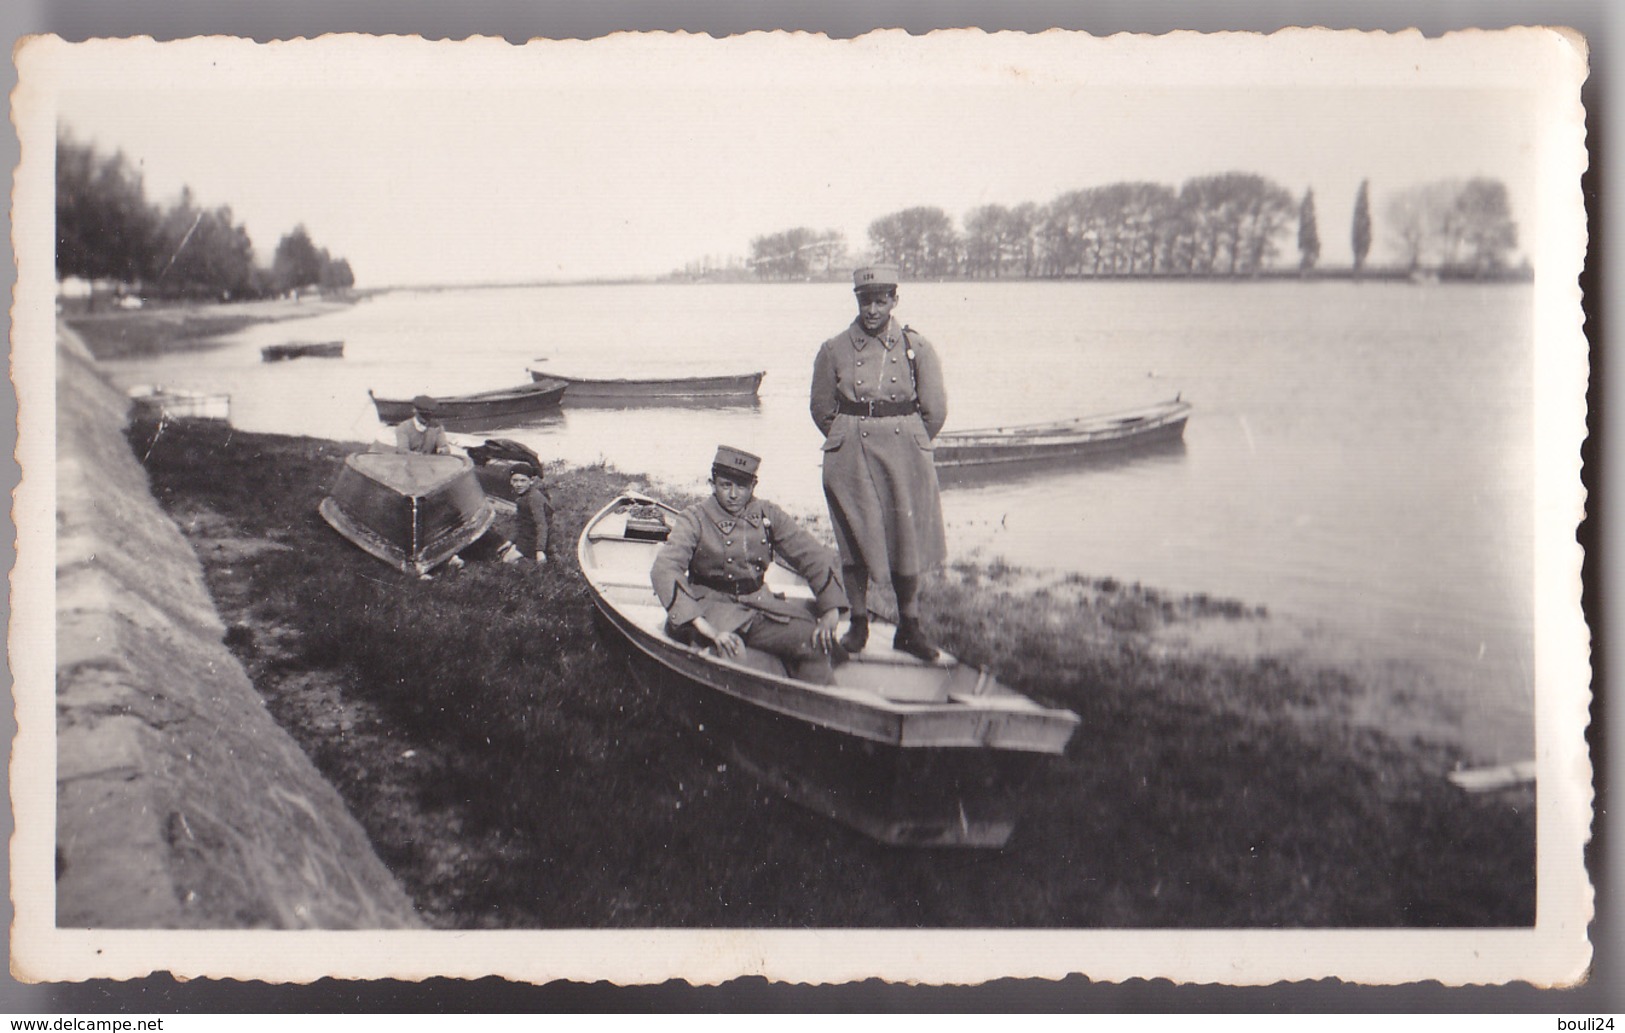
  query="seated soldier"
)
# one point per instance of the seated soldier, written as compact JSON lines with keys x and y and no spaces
{"x":708,"y":575}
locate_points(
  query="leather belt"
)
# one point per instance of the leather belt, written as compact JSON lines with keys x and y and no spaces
{"x":723,"y":584}
{"x":851,"y":408}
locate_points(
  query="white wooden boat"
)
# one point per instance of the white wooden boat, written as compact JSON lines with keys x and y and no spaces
{"x":906,"y":752}
{"x":412,"y":511}
{"x":154,"y":402}
{"x":1064,"y":439}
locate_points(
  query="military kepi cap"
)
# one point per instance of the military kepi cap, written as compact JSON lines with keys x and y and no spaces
{"x":423,"y":403}
{"x":877,"y":277}
{"x":735,"y":462}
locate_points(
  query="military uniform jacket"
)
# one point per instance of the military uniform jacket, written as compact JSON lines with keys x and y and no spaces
{"x":880,"y":478}
{"x":706,"y":541}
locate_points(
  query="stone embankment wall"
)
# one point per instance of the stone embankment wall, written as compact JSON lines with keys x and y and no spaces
{"x":180,"y":802}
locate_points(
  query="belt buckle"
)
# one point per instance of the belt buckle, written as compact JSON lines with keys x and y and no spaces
{"x":870,"y":404}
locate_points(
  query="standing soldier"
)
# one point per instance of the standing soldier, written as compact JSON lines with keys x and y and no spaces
{"x":878,"y":397}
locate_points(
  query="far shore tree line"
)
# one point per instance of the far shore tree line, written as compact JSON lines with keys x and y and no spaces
{"x":1231,"y":225}
{"x":108,"y":232}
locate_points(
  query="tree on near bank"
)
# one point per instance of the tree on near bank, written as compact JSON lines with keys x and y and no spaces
{"x":105,"y":229}
{"x":203,"y":255}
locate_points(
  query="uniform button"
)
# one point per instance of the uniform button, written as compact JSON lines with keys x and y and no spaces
{"x":860,"y":362}
{"x":865,"y":433}
{"x":897,"y":430}
{"x":730,"y":541}
{"x":894,"y":380}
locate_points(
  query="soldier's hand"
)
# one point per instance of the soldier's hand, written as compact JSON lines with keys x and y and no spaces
{"x":730,"y":644}
{"x":824,"y":633}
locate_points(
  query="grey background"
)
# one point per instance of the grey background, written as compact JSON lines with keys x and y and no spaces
{"x":517,"y":20}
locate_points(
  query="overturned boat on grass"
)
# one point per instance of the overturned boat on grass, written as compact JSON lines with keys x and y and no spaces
{"x":412,"y":511}
{"x":908,"y":753}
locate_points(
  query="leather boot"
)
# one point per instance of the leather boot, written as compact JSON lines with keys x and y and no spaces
{"x":911,"y":639}
{"x":857,"y":636}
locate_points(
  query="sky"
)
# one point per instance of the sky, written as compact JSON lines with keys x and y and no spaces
{"x":425,"y":163}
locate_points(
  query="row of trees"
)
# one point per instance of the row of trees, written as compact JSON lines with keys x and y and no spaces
{"x":106,"y":229}
{"x":1234,"y":224}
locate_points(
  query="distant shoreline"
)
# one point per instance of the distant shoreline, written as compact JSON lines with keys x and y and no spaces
{"x":1520,"y":275}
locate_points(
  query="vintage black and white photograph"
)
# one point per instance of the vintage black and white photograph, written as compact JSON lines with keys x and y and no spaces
{"x":935,"y":507}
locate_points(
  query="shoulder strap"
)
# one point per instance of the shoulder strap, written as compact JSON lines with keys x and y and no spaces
{"x":908,"y":350}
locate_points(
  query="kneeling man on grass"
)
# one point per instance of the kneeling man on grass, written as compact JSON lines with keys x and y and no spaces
{"x":709,"y":573}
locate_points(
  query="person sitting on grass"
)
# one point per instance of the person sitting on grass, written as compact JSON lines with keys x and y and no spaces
{"x":535,"y":516}
{"x":422,"y":434}
{"x":709,"y":573}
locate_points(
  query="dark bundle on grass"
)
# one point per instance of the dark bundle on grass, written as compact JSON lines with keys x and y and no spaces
{"x":494,"y":740}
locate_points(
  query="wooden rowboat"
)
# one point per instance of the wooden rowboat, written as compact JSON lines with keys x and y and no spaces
{"x":412,"y":511}
{"x":1086,"y":435}
{"x":738,"y":387}
{"x":523,"y":400}
{"x":156,"y":402}
{"x":318,"y":350}
{"x":905,"y":752}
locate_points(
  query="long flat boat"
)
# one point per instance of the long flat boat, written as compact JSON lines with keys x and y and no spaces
{"x":414,"y":512}
{"x":908,"y":753}
{"x":524,"y":400}
{"x":1085,"y":435}
{"x":303,"y":350}
{"x":736,"y":387}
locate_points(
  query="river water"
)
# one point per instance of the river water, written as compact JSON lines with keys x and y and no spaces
{"x":1359,"y":455}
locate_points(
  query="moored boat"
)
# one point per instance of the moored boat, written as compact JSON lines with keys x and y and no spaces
{"x":523,"y":400}
{"x":736,"y":387}
{"x":303,"y":350}
{"x":155,"y":402}
{"x":905,"y":752}
{"x":412,"y":511}
{"x":1057,"y":439}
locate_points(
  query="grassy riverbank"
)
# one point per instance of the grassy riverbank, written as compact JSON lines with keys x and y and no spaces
{"x":484,"y":728}
{"x":161,"y":330}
